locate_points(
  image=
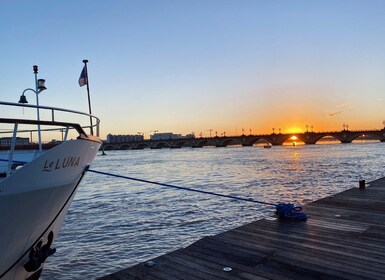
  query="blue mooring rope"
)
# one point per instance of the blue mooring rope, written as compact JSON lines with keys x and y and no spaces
{"x":283,"y":210}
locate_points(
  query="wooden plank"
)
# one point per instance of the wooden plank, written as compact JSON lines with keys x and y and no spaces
{"x":328,"y":252}
{"x":349,"y":249}
{"x":343,"y":238}
{"x":238,"y":269}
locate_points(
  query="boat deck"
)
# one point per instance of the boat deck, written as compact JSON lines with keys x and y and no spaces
{"x":343,"y":238}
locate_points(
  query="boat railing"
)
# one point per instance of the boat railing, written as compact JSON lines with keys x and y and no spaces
{"x":53,"y":113}
{"x":50,"y":124}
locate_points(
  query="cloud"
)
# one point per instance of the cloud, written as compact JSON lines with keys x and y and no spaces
{"x":341,"y":108}
{"x":334,"y":113}
{"x":345,"y":106}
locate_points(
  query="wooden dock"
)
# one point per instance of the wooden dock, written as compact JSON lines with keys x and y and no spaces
{"x":343,"y":238}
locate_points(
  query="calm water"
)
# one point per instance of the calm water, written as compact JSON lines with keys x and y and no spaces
{"x":115,"y":223}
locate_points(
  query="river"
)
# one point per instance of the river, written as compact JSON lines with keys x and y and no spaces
{"x":114,"y":223}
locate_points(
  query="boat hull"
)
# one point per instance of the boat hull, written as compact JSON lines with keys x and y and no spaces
{"x":33,"y":203}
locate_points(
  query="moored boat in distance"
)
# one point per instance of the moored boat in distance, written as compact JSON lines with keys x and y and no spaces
{"x":38,"y":180}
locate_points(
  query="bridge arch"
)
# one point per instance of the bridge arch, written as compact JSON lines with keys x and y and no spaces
{"x":368,"y":136}
{"x":140,"y":146}
{"x":124,"y":147}
{"x":200,"y":143}
{"x":313,"y":138}
{"x":178,"y":144}
{"x":327,"y":139}
{"x":108,"y":147}
{"x":258,"y":140}
{"x":231,"y":141}
{"x":294,"y":140}
{"x":160,"y":145}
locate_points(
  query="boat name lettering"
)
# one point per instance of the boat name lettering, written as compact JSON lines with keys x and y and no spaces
{"x":61,"y":163}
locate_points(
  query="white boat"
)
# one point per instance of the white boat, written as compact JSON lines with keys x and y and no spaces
{"x":38,"y":181}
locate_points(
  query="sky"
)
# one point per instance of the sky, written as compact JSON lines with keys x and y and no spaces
{"x":191,"y":66}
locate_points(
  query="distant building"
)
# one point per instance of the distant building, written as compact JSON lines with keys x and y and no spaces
{"x":165,"y":136}
{"x":189,"y":136}
{"x":6,"y":141}
{"x":55,"y":141}
{"x":124,"y":138}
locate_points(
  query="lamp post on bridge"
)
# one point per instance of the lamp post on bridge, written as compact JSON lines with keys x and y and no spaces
{"x":39,"y":87}
{"x":154,"y":131}
{"x":210,"y":131}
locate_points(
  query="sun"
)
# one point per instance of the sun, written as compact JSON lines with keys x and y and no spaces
{"x":294,"y":138}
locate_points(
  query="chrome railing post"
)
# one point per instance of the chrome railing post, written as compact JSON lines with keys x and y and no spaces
{"x":13,"y":144}
{"x":66,"y":134}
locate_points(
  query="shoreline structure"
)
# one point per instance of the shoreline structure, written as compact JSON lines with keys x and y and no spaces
{"x":343,"y":238}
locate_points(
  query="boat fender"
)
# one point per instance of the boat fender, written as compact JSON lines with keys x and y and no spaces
{"x":38,"y":254}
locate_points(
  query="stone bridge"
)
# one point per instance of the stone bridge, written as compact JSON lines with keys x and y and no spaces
{"x":344,"y":136}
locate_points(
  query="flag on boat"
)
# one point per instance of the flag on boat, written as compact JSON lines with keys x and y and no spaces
{"x":83,"y":79}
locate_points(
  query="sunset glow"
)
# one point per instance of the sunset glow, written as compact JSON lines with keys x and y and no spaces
{"x":223,"y":73}
{"x":294,"y":129}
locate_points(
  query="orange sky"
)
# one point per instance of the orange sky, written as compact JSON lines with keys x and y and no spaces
{"x":191,"y":66}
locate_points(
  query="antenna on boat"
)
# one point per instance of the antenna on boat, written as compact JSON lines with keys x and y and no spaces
{"x":83,"y":80}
